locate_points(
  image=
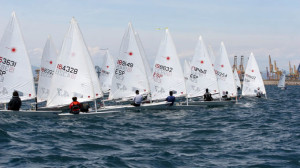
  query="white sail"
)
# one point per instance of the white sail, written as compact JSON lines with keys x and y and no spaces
{"x":130,"y":74}
{"x":107,"y":72}
{"x":74,"y":72}
{"x":47,"y":68}
{"x":252,"y":79}
{"x":167,"y":71}
{"x":186,"y":70}
{"x":202,"y":74}
{"x":145,"y":60}
{"x":212,"y":55}
{"x":237,"y":79}
{"x":224,"y":73}
{"x":281,"y":83}
{"x":15,"y":67}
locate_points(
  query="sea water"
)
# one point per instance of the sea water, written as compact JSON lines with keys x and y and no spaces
{"x":254,"y":132}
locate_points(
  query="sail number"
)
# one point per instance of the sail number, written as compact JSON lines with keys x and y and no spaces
{"x":124,"y":63}
{"x":8,"y":62}
{"x":248,"y":78}
{"x":252,"y":77}
{"x":199,"y":70}
{"x":67,"y":68}
{"x":122,"y":67}
{"x":2,"y":72}
{"x":165,"y":68}
{"x":221,"y":74}
{"x":119,"y":72}
{"x":103,"y":72}
{"x":47,"y":71}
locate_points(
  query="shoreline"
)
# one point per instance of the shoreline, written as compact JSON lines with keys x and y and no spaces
{"x":275,"y":82}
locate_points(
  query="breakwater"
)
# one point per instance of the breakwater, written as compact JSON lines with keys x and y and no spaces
{"x":275,"y":82}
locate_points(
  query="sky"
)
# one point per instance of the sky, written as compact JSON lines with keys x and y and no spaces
{"x":264,"y":27}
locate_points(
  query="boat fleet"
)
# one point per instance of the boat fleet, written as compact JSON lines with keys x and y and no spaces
{"x":71,"y":73}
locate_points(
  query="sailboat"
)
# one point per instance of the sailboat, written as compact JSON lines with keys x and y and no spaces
{"x":237,"y":79}
{"x":107,"y":72}
{"x":167,"y":72}
{"x":253,"y":82}
{"x":15,"y":68}
{"x":202,"y":74}
{"x":224,"y":74}
{"x":48,"y":64}
{"x":281,"y":83}
{"x":74,"y":74}
{"x":130,"y":73}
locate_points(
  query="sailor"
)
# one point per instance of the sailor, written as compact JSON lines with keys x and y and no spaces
{"x":75,"y":106}
{"x":15,"y":102}
{"x":259,"y":93}
{"x":137,"y":100}
{"x":207,"y":96}
{"x":226,"y":97}
{"x":171,"y":98}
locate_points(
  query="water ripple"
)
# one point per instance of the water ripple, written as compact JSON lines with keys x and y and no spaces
{"x":252,"y":133}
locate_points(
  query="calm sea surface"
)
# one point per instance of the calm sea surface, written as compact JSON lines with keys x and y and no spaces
{"x":253,"y":133}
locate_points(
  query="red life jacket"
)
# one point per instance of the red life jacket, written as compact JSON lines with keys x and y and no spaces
{"x":75,"y":106}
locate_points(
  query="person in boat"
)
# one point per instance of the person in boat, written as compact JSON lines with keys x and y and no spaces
{"x":226,"y":96}
{"x":75,"y":106}
{"x":259,"y":93}
{"x":207,"y":96}
{"x":15,"y":102}
{"x":137,"y":100}
{"x":171,"y":98}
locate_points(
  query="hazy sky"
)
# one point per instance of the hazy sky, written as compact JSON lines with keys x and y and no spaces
{"x":260,"y":26}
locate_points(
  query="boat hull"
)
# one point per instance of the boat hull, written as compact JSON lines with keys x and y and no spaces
{"x":31,"y":112}
{"x":210,"y":103}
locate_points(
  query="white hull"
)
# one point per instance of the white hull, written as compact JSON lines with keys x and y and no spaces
{"x":211,"y":103}
{"x":31,"y":112}
{"x":143,"y":107}
{"x":88,"y":113}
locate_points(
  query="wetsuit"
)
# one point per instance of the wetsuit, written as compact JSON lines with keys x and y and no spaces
{"x":207,"y":97}
{"x":15,"y":103}
{"x":170,"y":99}
{"x":259,"y":94}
